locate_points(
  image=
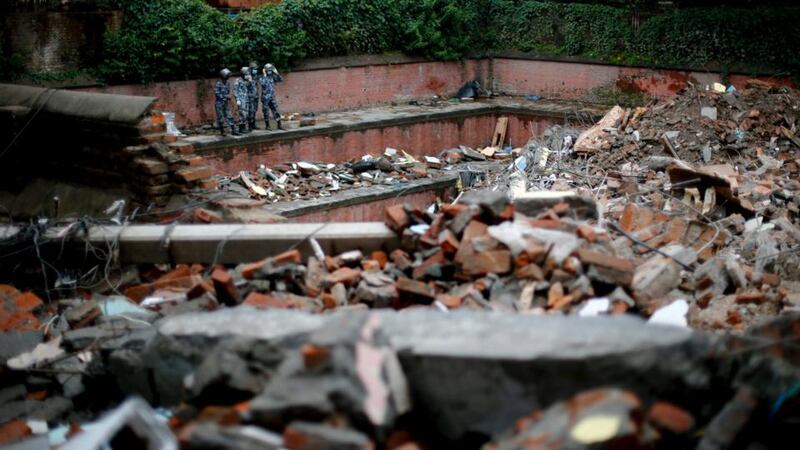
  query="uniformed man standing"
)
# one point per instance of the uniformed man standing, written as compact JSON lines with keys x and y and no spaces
{"x":241,"y":91}
{"x":222,"y":96}
{"x":269,"y":76}
{"x":253,"y":95}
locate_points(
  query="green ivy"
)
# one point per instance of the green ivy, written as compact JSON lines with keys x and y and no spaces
{"x":169,"y":39}
{"x":175,"y":39}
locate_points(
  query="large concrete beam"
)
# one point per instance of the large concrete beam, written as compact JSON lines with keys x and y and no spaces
{"x":233,"y":243}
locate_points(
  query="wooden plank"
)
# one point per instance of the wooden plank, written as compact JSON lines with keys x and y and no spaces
{"x":500,"y":132}
{"x":228,"y":243}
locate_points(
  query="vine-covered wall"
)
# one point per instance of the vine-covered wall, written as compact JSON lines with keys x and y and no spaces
{"x":182,"y":39}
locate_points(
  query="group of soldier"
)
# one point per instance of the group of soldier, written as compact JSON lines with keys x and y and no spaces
{"x":246,"y":94}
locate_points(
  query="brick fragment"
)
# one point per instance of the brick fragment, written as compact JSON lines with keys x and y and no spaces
{"x":196,"y":173}
{"x":206,"y":216}
{"x":397,"y":218}
{"x":263,"y":301}
{"x":28,"y":301}
{"x":345,"y":275}
{"x":13,"y":431}
{"x":751,"y":297}
{"x":380,"y":257}
{"x":605,"y":260}
{"x":415,"y":290}
{"x":225,"y":287}
{"x":670,"y":417}
{"x":314,"y":356}
{"x":495,"y":261}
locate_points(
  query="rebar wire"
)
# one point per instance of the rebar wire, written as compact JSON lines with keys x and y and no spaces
{"x":648,"y":246}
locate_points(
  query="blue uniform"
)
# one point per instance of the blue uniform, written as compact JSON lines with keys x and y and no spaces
{"x":222,"y":93}
{"x":253,"y":95}
{"x":241,"y":91}
{"x":268,"y":100}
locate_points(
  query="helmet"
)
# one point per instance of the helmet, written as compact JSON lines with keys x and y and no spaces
{"x":253,"y":65}
{"x":245,"y":71}
{"x":225,"y":73}
{"x":269,"y":66}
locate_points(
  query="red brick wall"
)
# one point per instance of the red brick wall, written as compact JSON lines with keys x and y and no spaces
{"x":419,"y":139}
{"x":318,"y":90}
{"x":575,"y":80}
{"x":357,"y":84}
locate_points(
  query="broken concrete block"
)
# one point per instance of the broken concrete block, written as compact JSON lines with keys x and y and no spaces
{"x":495,"y":261}
{"x":596,"y":138}
{"x":654,"y":279}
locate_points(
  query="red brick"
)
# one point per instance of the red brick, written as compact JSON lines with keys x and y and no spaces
{"x":400,"y":259}
{"x":13,"y":431}
{"x":751,"y":297}
{"x":288,"y":257}
{"x":450,"y":301}
{"x":495,"y":261}
{"x":28,"y":301}
{"x":262,"y":301}
{"x":345,"y":275}
{"x":8,"y":292}
{"x":473,"y":230}
{"x":422,"y":271}
{"x":380,"y":257}
{"x":191,"y":174}
{"x":397,"y":217}
{"x":586,"y":232}
{"x":314,"y":356}
{"x":209,"y":183}
{"x":138,"y":292}
{"x":605,"y":260}
{"x":226,"y":289}
{"x":206,"y":216}
{"x":670,"y":417}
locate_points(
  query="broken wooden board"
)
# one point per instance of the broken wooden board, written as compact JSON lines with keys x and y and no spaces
{"x":500,"y":132}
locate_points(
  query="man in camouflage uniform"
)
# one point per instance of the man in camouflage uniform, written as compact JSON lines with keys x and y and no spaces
{"x":241,"y":91}
{"x":222,"y":95}
{"x":269,"y":76}
{"x":253,"y":93}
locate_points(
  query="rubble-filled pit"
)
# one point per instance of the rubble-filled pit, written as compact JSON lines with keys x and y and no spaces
{"x":631,"y":285}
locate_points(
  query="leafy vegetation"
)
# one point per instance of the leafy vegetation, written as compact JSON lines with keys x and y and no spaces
{"x":174,"y":39}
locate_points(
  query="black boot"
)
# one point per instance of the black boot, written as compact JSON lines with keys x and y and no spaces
{"x":253,"y":125}
{"x":234,"y":131}
{"x":222,"y":131}
{"x":266,"y":125}
{"x":279,"y":125}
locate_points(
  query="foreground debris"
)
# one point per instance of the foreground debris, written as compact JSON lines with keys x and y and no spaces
{"x":647,"y":300}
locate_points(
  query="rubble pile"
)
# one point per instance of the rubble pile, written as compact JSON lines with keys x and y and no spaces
{"x":304,"y":179}
{"x":648,"y":299}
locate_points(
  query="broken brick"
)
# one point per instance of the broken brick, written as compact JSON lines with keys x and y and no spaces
{"x":667,"y":416}
{"x":345,"y":275}
{"x":495,"y":261}
{"x":263,"y":301}
{"x":227,"y":292}
{"x":397,"y":218}
{"x":314,"y":356}
{"x":28,"y":301}
{"x":415,"y":290}
{"x":13,"y":431}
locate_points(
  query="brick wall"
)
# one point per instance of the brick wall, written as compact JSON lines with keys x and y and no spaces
{"x":56,"y":41}
{"x":323,"y":89}
{"x":419,"y":139}
{"x":353,"y":83}
{"x":576,"y":80}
